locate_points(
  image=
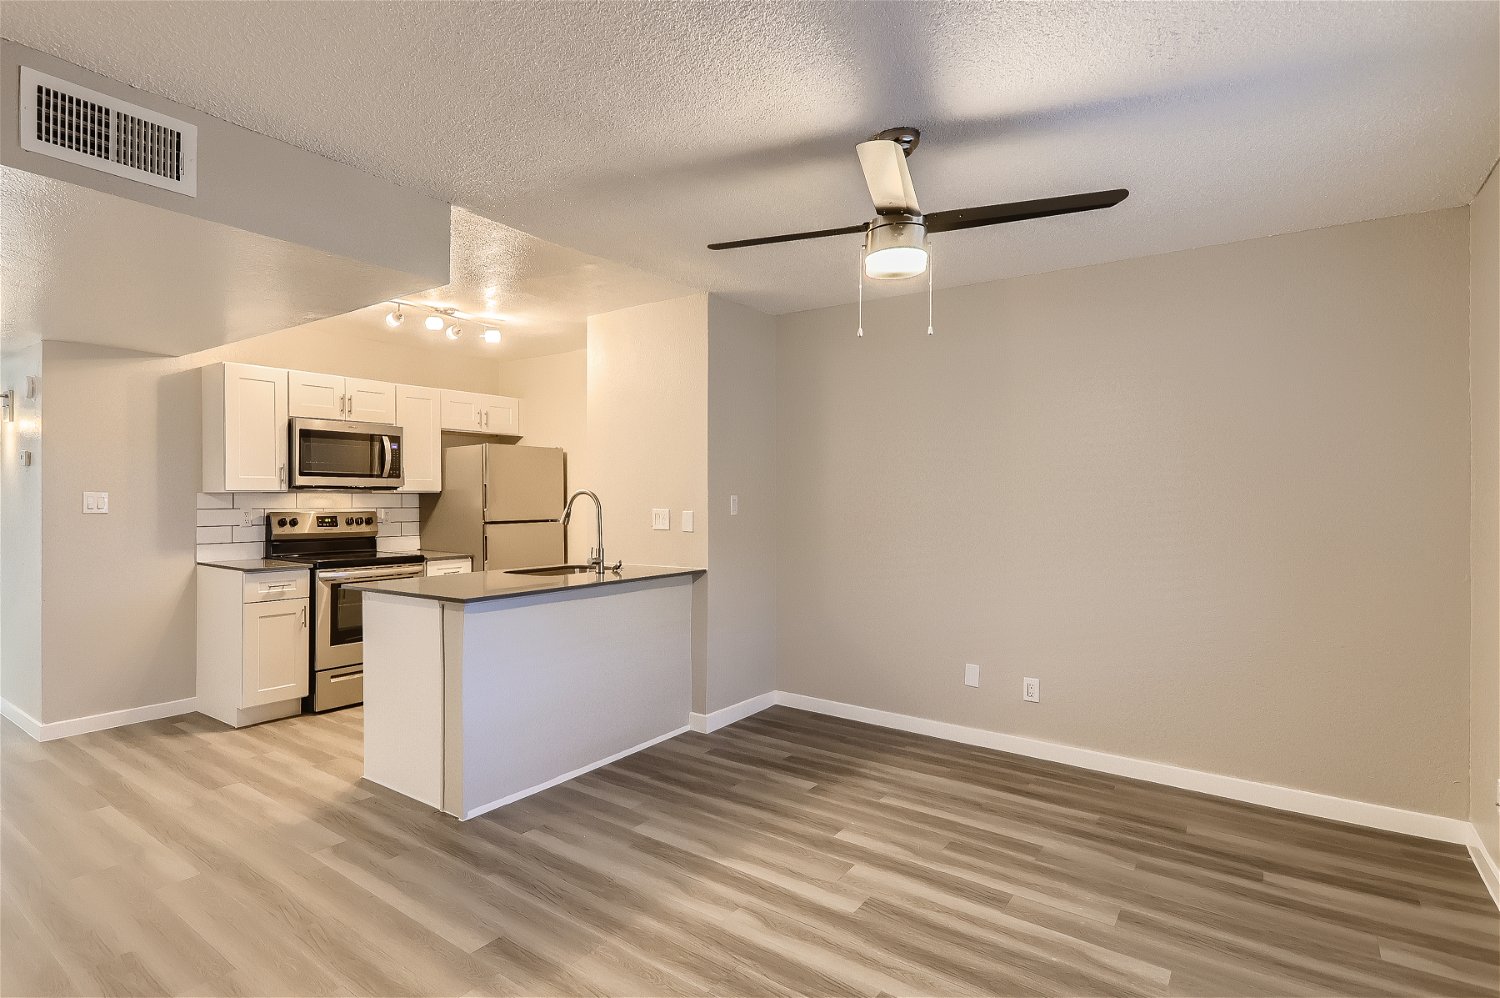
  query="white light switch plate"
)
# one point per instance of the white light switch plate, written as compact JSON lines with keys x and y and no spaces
{"x":96,"y":502}
{"x":734,"y":505}
{"x":971,"y":674}
{"x":661,"y":519}
{"x":687,"y":521}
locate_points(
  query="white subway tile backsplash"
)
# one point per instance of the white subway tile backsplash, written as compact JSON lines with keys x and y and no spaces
{"x":262,"y":500}
{"x":218,"y":517}
{"x":324,"y":500}
{"x":222,"y":537}
{"x":230,"y":552}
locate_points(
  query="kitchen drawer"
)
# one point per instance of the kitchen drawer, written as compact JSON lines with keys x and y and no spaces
{"x":293,"y":583}
{"x":450,"y":566}
{"x":339,"y":687}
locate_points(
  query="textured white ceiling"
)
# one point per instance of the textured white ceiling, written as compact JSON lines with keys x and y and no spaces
{"x":86,"y":266}
{"x":638,"y":132}
{"x":537,"y":294}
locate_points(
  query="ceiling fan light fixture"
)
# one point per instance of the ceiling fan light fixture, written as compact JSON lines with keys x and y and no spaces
{"x":895,"y":249}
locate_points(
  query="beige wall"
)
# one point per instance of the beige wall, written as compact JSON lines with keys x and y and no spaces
{"x":1217,"y":501}
{"x":648,"y":428}
{"x":118,"y":603}
{"x":742,"y":548}
{"x":1484,"y":524}
{"x":21,"y":537}
{"x":554,"y":413}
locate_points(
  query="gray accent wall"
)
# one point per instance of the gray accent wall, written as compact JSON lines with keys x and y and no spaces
{"x":1216,"y":500}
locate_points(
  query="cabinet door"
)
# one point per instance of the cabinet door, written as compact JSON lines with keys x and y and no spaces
{"x":254,"y":428}
{"x":275,"y":652}
{"x":460,"y":412}
{"x":419,"y":411}
{"x":370,"y":401}
{"x":499,"y":415}
{"x":316,"y":396}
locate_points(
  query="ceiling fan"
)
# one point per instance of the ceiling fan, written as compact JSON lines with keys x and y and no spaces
{"x":896,"y":238}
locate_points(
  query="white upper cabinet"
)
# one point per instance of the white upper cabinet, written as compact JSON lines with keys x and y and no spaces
{"x":473,"y":412}
{"x":419,"y":411}
{"x":370,"y":401}
{"x":329,"y":396}
{"x":244,"y":428}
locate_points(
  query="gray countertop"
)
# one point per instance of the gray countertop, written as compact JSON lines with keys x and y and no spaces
{"x":275,"y":565}
{"x":479,"y":587}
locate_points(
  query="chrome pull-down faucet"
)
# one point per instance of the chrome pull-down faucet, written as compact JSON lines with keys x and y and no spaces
{"x":596,"y":556}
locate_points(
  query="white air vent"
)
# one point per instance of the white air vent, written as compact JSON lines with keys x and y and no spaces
{"x":66,"y":121}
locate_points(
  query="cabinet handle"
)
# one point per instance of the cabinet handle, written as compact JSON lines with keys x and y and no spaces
{"x":281,"y":476}
{"x":304,"y":618}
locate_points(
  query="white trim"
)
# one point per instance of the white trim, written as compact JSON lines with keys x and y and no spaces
{"x":21,"y":719}
{"x":46,"y":732}
{"x":1391,"y":819}
{"x":704,"y":723}
{"x":1489,"y":870}
{"x":564,"y":778}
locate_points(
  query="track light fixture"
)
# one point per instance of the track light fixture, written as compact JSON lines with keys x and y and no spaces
{"x":446,"y":319}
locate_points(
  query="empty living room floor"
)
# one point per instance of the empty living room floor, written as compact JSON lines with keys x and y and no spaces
{"x":789,"y":853}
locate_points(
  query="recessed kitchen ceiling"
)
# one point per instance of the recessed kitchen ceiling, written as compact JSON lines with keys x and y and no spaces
{"x":640,"y":132}
{"x":537,"y":294}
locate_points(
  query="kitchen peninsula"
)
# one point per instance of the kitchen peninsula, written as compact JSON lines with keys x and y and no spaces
{"x":483,"y":688}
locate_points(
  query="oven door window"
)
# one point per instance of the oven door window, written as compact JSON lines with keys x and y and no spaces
{"x":331,"y":454}
{"x":346,"y":615}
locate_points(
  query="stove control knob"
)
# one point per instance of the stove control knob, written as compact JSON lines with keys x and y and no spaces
{"x":369,"y":520}
{"x":294,"y":521}
{"x":281,"y":522}
{"x":348,"y":521}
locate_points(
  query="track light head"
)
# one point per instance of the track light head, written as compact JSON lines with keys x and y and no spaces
{"x":492,"y":335}
{"x":394,"y":318}
{"x":434,"y":322}
{"x":453,"y":331}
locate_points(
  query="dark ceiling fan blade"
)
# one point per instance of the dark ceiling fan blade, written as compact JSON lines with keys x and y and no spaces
{"x":1015,"y":211}
{"x":790,"y":237}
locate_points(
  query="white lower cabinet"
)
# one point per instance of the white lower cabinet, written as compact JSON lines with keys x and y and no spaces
{"x":450,"y":566}
{"x":253,"y":643}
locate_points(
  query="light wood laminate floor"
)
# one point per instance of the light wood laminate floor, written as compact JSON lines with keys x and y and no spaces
{"x":789,"y":853}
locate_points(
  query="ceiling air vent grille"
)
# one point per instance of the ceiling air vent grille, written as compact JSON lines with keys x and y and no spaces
{"x":69,"y":122}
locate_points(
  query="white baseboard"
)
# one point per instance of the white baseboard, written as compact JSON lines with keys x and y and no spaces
{"x":21,"y":719}
{"x":1392,"y":819}
{"x":704,"y":723}
{"x":564,"y":778}
{"x":46,"y":732}
{"x":1489,"y":870}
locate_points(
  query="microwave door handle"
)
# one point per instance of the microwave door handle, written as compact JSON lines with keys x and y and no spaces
{"x":390,"y":457}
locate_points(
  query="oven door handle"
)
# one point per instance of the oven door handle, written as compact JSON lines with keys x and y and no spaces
{"x":365,"y":574}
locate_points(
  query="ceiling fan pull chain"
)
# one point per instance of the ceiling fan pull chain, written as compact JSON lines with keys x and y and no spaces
{"x":859,"y":270}
{"x":929,"y":288}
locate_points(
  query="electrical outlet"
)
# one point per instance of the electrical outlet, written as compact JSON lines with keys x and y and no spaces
{"x":687,"y":521}
{"x":661,"y":519}
{"x":1031,"y":690}
{"x":249,"y":517}
{"x":734,"y":505}
{"x":971,"y":674}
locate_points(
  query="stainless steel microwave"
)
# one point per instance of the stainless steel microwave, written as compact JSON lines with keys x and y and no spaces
{"x":345,"y":454}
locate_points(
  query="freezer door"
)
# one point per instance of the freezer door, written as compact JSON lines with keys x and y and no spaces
{"x":523,"y":483}
{"x":522,"y":545}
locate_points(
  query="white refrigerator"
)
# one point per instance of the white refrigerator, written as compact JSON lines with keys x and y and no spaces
{"x":501,"y":505}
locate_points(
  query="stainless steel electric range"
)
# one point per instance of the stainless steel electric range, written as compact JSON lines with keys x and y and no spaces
{"x":340,"y":548}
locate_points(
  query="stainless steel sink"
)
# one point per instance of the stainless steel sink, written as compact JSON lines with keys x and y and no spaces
{"x":554,"y":570}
